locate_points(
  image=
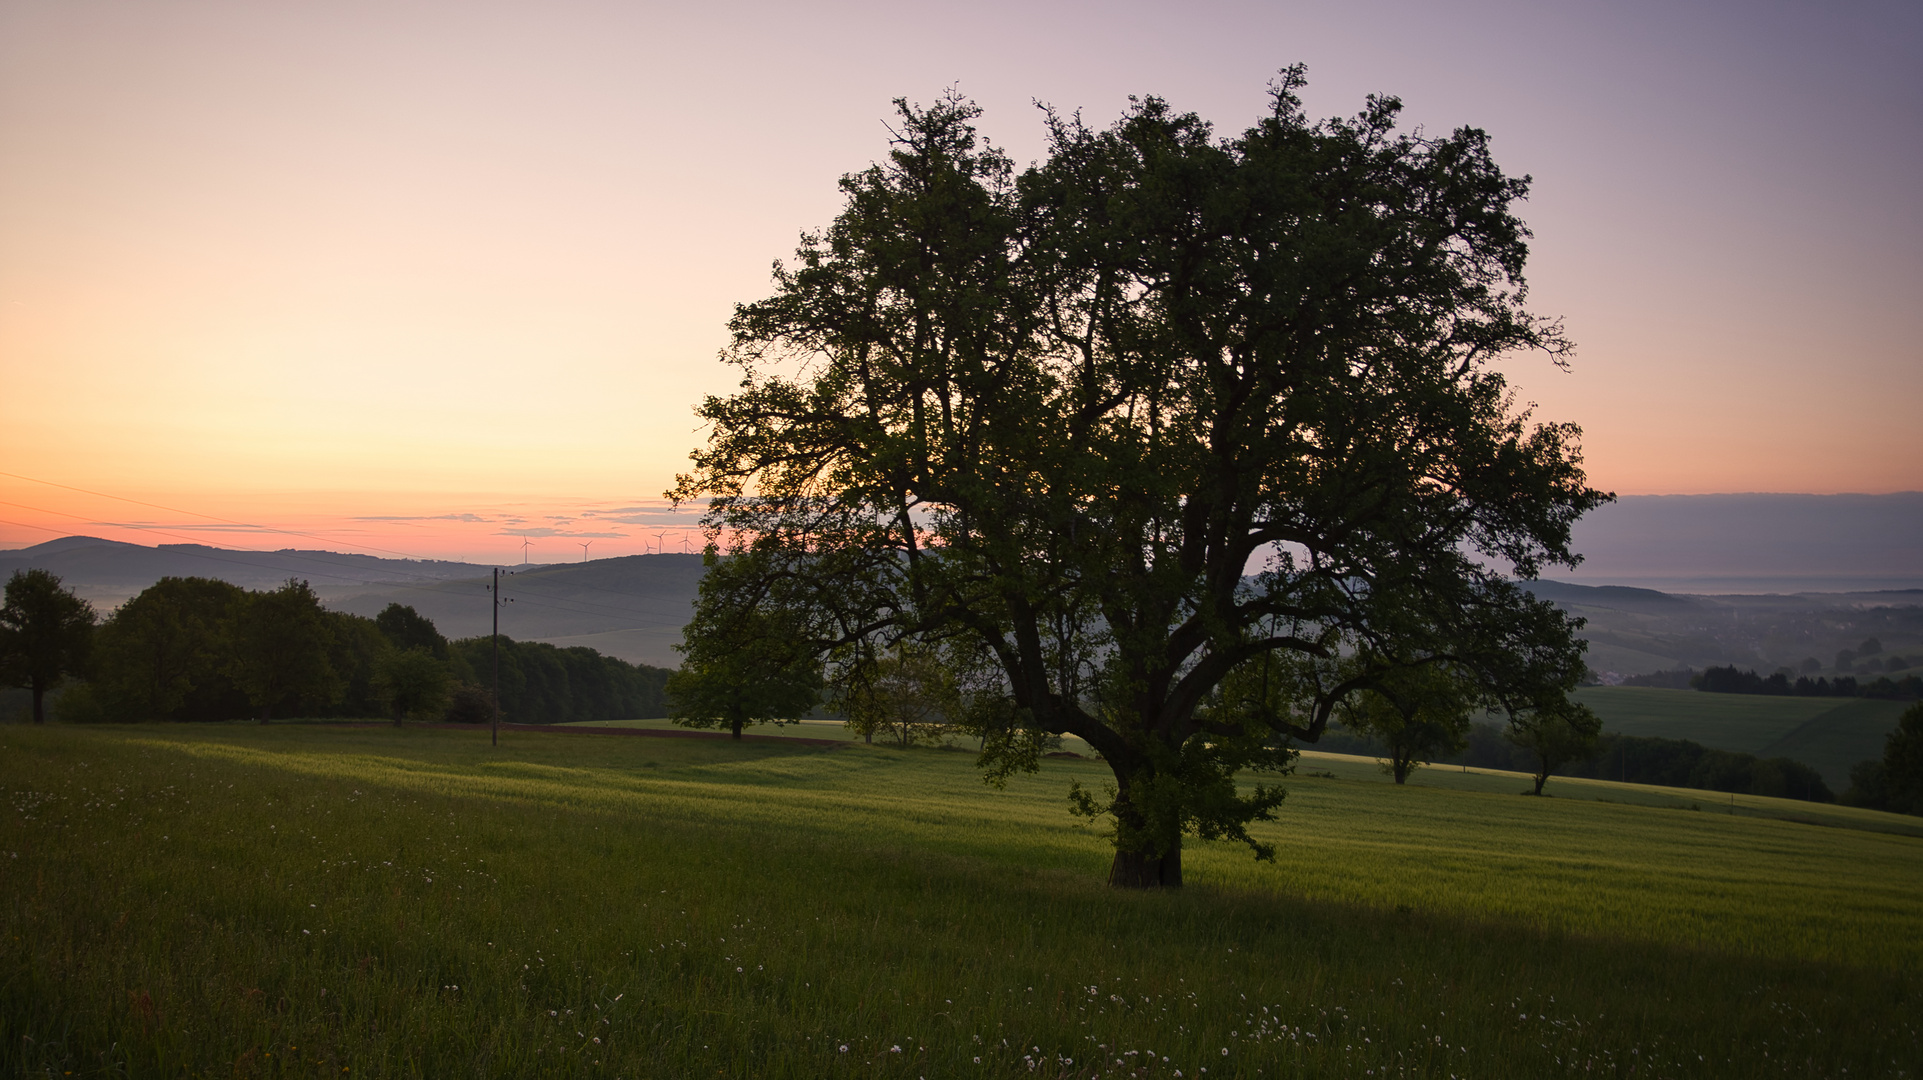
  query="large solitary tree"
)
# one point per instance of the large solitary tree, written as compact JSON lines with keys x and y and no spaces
{"x":1157,"y":411}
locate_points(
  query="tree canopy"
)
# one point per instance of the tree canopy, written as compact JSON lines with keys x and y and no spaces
{"x":46,"y":634}
{"x":1161,"y":409}
{"x":742,"y":664}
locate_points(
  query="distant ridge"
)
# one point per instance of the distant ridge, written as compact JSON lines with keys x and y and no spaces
{"x":110,"y":571}
{"x":632,"y":607}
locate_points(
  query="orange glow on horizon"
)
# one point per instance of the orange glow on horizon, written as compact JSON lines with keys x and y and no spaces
{"x":360,"y":269}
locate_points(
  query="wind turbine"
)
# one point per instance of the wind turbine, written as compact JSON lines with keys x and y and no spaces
{"x":661,"y":542}
{"x":584,"y":551}
{"x":525,"y":544}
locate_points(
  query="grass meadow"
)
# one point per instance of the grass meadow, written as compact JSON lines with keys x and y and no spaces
{"x":333,"y":901}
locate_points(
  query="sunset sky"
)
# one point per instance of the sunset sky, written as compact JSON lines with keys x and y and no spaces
{"x":435,"y":278}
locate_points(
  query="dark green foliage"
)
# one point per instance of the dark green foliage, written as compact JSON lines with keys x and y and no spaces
{"x":1903,"y":758}
{"x":1488,"y":747}
{"x":1664,"y":680}
{"x":46,"y":634}
{"x":745,"y":664}
{"x":1731,"y":680}
{"x":1556,"y":737}
{"x":197,"y":649}
{"x":414,"y":683}
{"x":1683,"y":763}
{"x":1414,"y":714}
{"x":1907,"y":688}
{"x":1040,"y":424}
{"x":907,"y":697}
{"x":406,"y":628}
{"x":201,"y":649}
{"x":542,"y":684}
{"x":357,"y":651}
{"x":1896,"y":782}
{"x":282,"y":641}
{"x":469,"y":705}
{"x":164,"y":655}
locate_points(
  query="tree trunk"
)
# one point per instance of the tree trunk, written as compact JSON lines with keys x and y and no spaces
{"x":1541,"y":779}
{"x":39,"y":702}
{"x":1401,"y":766}
{"x":1136,"y":870}
{"x":735,"y":727}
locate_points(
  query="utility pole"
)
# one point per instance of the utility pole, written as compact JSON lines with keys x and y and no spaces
{"x":494,"y":734}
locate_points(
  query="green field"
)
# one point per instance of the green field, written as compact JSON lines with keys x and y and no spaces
{"x":338,"y":901}
{"x":1829,"y":734}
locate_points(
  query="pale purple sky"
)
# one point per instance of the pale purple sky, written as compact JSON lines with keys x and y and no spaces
{"x":316,"y":261}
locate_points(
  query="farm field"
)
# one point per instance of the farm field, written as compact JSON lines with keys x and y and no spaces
{"x":323,"y":900}
{"x":1831,"y":742}
{"x":1453,"y":777}
{"x":1830,"y":734}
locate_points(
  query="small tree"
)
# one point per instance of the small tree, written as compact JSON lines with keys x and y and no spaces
{"x":1556,"y":736}
{"x":1416,"y":713}
{"x":909,"y":695}
{"x":46,"y":633}
{"x":413,"y":683}
{"x":743,"y":665}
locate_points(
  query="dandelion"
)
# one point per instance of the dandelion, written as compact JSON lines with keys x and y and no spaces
{"x":844,"y":1048}
{"x":895,"y":1049}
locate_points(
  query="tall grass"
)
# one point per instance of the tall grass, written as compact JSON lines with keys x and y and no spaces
{"x":331,"y":902}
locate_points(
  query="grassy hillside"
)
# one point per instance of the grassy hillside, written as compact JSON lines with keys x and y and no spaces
{"x":336,"y":901}
{"x":1832,"y":741}
{"x":1829,"y":734}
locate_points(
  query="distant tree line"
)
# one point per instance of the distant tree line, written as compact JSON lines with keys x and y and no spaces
{"x":1632,"y":759}
{"x":1663,"y":680}
{"x":542,"y":684}
{"x":203,"y":649}
{"x":1638,"y":759}
{"x":1731,"y":680}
